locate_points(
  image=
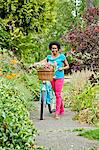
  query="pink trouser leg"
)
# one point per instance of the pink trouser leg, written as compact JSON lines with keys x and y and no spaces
{"x":57,"y":85}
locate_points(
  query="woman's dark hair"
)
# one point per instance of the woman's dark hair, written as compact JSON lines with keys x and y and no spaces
{"x":54,"y":43}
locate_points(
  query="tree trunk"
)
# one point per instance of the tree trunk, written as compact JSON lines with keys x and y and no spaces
{"x":89,"y":3}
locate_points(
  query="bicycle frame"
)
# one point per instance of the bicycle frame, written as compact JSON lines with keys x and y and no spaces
{"x":46,"y":97}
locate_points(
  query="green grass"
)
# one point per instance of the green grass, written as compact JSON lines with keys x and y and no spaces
{"x":78,"y":129}
{"x":90,"y":134}
{"x":66,"y":89}
{"x":66,"y":86}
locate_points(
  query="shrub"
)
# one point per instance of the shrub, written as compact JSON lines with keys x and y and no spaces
{"x":84,"y":39}
{"x":82,"y":97}
{"x":79,"y":79}
{"x":25,"y":82}
{"x":16,"y":129}
{"x":5,"y":37}
{"x":32,"y":83}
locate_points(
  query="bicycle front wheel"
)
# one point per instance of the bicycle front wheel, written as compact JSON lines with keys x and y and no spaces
{"x":42,"y":106}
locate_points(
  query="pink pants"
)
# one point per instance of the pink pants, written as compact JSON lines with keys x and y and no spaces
{"x":57,"y":85}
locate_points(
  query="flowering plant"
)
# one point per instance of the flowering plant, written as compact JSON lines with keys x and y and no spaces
{"x":45,"y":66}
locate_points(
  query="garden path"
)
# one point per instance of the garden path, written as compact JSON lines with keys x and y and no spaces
{"x":57,"y":134}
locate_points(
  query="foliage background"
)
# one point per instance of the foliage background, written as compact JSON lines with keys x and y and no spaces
{"x":28,"y":26}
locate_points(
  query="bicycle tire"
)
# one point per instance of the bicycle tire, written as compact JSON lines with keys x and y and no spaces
{"x":49,"y":108}
{"x":42,"y":106}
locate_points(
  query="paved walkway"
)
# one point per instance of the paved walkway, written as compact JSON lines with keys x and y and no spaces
{"x":57,"y":134}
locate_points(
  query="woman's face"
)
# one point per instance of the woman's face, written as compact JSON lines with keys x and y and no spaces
{"x":54,"y":49}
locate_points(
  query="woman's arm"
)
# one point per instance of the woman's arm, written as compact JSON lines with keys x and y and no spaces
{"x":42,"y":62}
{"x":66,"y":65}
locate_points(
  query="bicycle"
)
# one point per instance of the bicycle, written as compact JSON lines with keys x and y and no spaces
{"x":46,"y":91}
{"x":43,"y":92}
{"x":44,"y":100}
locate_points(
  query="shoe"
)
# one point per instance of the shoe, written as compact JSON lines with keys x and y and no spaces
{"x":56,"y":116}
{"x":52,"y":111}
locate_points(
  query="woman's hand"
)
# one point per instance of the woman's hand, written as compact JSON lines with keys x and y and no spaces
{"x":60,"y":69}
{"x":63,"y":68}
{"x":48,"y":66}
{"x":66,"y":65}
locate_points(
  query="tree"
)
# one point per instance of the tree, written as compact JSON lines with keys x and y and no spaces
{"x":89,"y":3}
{"x":28,"y":15}
{"x":64,"y":21}
{"x":24,"y":21}
{"x":85,"y":40}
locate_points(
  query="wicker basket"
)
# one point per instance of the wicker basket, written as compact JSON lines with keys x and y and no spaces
{"x":45,"y":75}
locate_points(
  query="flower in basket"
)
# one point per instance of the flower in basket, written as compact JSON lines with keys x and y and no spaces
{"x":45,"y":66}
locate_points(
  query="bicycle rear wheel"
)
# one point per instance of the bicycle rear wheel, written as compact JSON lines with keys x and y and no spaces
{"x":42,"y":106}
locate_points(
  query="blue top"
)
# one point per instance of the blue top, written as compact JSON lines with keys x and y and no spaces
{"x":59,"y":64}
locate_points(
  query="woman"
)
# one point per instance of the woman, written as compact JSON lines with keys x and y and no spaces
{"x":59,"y":60}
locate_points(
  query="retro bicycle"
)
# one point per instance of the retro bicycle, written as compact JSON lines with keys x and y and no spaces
{"x":45,"y":98}
{"x":45,"y":76}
